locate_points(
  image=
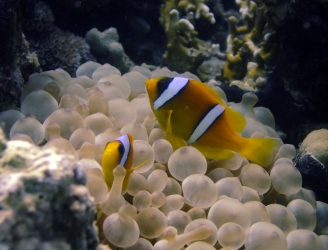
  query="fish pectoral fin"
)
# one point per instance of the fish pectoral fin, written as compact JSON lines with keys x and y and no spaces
{"x":168,"y":122}
{"x":130,"y":170}
{"x":175,"y":141}
{"x":215,"y":153}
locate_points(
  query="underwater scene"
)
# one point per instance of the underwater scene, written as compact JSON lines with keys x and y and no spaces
{"x":163,"y":125}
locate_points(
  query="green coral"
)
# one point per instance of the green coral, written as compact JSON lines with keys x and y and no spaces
{"x":236,"y":61}
{"x":193,"y":8}
{"x":251,"y":42}
{"x":106,"y":48}
{"x":185,"y":52}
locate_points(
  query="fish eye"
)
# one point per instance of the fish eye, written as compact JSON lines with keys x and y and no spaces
{"x":163,"y":84}
{"x":121,"y":149}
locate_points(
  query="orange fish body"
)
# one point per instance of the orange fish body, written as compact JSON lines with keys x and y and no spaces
{"x":190,"y":111}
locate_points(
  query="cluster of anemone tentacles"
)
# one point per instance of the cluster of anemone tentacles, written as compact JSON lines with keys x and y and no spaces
{"x":177,"y":199}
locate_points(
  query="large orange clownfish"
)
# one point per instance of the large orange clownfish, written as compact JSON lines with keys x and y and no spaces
{"x":190,"y":111}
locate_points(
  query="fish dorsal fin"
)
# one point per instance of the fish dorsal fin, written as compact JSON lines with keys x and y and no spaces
{"x":237,"y":120}
{"x":212,"y":92}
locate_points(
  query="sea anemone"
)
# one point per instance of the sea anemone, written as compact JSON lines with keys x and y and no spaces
{"x":174,"y":198}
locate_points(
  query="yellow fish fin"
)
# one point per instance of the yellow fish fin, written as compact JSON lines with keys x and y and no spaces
{"x":237,"y":120}
{"x":168,"y":122}
{"x":129,"y":172}
{"x":175,"y":141}
{"x":215,"y":153}
{"x":138,"y":166}
{"x":260,"y":150}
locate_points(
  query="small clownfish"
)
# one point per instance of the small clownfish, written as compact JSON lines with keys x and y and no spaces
{"x":118,"y":152}
{"x":190,"y":111}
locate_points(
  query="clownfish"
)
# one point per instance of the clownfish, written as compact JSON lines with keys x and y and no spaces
{"x":118,"y":152}
{"x":190,"y":111}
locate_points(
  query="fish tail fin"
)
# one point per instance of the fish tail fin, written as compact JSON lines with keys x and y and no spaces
{"x":260,"y":150}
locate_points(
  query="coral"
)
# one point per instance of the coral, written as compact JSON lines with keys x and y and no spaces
{"x":44,"y":203}
{"x":251,"y":46}
{"x":312,"y":162}
{"x":316,"y":144}
{"x":55,"y":48}
{"x":54,"y":53}
{"x":106,"y":48}
{"x":185,"y":52}
{"x":236,"y":61}
{"x":194,"y":9}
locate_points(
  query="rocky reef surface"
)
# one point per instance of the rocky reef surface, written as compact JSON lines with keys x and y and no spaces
{"x":44,"y":203}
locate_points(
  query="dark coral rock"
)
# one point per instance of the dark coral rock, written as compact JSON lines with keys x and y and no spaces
{"x":41,"y":20}
{"x":137,"y":23}
{"x":13,"y":75}
{"x":8,"y":29}
{"x":16,"y":61}
{"x":55,"y":48}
